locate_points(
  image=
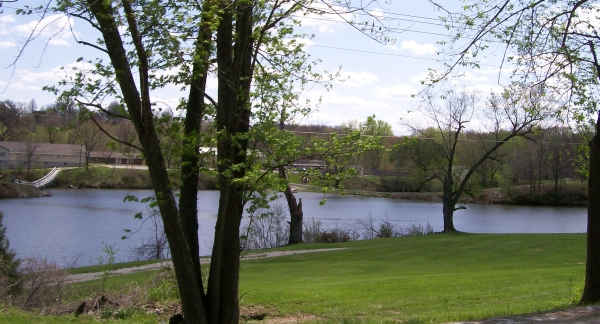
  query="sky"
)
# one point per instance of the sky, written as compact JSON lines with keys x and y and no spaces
{"x":376,"y":79}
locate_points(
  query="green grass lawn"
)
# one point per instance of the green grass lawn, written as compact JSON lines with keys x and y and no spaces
{"x":433,"y":278}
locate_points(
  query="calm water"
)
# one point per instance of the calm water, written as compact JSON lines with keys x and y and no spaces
{"x":75,"y":224}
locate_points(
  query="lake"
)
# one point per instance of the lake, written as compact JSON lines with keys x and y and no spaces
{"x":76,"y":224}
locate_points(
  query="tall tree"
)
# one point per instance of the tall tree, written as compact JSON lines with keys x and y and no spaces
{"x":554,"y":43}
{"x":143,"y":37}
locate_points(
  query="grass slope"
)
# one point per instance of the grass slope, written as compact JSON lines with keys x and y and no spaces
{"x":432,"y":278}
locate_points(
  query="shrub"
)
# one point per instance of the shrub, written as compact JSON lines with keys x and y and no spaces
{"x":9,"y":264}
{"x":314,"y":233}
{"x":267,"y":229}
{"x":416,"y":230}
{"x":163,"y":286}
{"x":44,"y":283}
{"x":386,"y":229}
{"x":336,"y":235}
{"x":311,"y":230}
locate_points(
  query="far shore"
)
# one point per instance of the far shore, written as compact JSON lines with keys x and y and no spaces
{"x":127,"y":177}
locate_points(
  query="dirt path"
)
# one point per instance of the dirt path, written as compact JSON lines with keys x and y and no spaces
{"x":154,"y":266}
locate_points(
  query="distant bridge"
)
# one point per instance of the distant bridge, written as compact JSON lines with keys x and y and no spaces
{"x":40,"y":183}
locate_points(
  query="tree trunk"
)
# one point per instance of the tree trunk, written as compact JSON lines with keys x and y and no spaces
{"x":234,"y":60}
{"x":190,"y":160}
{"x":448,"y":211}
{"x":448,"y":206}
{"x":296,"y":213}
{"x":591,"y":291}
{"x":295,"y":207}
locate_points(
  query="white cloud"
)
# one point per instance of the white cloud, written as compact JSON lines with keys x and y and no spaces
{"x":56,"y":29}
{"x":7,"y":44}
{"x":7,"y":19}
{"x":471,"y":77}
{"x":4,"y":22}
{"x":22,"y":86}
{"x":397,"y":91}
{"x":378,"y":13}
{"x":212,"y":82}
{"x":334,"y":98}
{"x":391,"y":46}
{"x":418,"y":49}
{"x":355,"y":79}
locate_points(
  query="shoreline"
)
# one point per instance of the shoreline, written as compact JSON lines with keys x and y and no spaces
{"x":101,"y":177}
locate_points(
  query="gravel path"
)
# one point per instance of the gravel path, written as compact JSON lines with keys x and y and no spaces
{"x":249,"y":256}
{"x":575,"y":315}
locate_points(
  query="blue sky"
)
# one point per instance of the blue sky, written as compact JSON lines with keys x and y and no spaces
{"x":379,"y":79}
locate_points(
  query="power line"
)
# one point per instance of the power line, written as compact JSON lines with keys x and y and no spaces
{"x":378,"y":53}
{"x":392,"y":54}
{"x":396,"y":30}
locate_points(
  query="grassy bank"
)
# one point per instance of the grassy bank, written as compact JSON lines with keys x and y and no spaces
{"x":433,"y":278}
{"x":9,"y":189}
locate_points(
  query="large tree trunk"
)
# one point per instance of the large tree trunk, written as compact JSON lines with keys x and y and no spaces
{"x":448,"y":205}
{"x":448,"y":211}
{"x":233,"y":117}
{"x":190,"y":160}
{"x":591,"y":291}
{"x":296,"y":213}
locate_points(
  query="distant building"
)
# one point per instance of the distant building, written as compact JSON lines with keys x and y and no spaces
{"x":109,"y":157}
{"x":14,"y":155}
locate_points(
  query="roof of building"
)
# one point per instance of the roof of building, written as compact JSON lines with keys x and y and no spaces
{"x":44,"y":148}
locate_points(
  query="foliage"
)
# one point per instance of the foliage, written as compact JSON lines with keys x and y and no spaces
{"x":13,"y":120}
{"x":163,"y":286}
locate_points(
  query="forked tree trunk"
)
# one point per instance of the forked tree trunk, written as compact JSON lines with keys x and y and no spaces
{"x":591,"y":290}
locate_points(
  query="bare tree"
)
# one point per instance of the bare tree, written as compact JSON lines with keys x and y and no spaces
{"x":516,"y":112}
{"x":90,"y":137}
{"x":29,"y":156}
